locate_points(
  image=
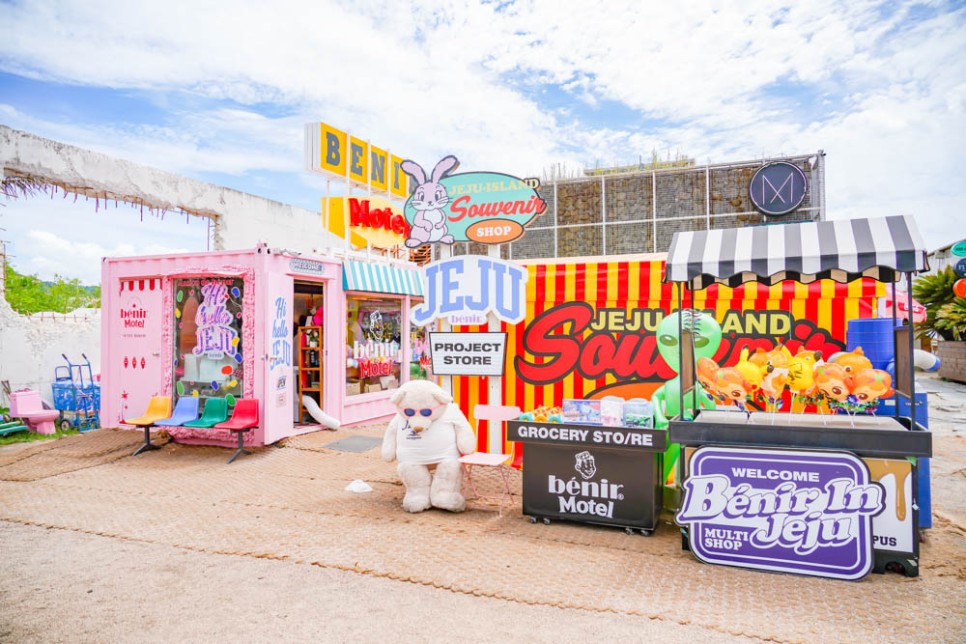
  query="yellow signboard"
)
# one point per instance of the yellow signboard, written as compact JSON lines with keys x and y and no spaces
{"x":378,"y":172}
{"x":334,"y":152}
{"x":365,"y":220}
{"x":332,"y":148}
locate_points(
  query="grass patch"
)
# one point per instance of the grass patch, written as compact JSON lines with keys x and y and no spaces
{"x":29,"y":436}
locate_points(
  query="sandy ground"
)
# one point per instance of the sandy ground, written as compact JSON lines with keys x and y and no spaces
{"x":174,"y":545}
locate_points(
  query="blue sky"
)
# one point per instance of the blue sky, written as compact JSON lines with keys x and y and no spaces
{"x":219,"y":91}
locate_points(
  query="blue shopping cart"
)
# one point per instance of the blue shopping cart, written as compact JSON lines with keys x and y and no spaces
{"x":76,"y":396}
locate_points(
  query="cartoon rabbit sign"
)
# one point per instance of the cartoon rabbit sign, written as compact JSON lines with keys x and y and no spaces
{"x":429,"y":198}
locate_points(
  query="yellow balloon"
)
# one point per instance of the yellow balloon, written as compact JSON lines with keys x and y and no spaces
{"x":234,"y":341}
{"x":801,"y":369}
{"x":748,"y":369}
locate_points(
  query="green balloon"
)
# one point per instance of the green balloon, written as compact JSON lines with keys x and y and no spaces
{"x":180,"y":295}
{"x":667,"y":398}
{"x":707,"y":336}
{"x":230,"y":399}
{"x":180,"y":388}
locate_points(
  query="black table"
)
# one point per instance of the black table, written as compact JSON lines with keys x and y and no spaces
{"x":591,"y":473}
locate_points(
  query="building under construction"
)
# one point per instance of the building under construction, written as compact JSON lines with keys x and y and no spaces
{"x":637,"y":209}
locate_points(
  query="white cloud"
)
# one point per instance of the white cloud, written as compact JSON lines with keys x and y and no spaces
{"x":876,"y":86}
{"x":55,"y":236}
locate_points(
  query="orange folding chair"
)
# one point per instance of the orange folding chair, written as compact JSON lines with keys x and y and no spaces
{"x":492,"y":414}
{"x":159,"y":407}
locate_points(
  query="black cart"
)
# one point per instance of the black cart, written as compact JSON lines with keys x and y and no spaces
{"x":591,"y":473}
{"x":884,"y":448}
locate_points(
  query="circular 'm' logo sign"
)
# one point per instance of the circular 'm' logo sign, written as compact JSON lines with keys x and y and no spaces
{"x":960,"y":268}
{"x":778,"y":188}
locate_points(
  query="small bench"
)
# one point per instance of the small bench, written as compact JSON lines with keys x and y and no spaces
{"x":12,"y":428}
{"x":26,"y":404}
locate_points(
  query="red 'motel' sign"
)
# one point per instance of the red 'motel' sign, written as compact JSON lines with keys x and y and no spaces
{"x":361,"y":215}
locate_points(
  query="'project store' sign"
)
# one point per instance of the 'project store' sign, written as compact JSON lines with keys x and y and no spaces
{"x":484,"y":207}
{"x":468,"y":354}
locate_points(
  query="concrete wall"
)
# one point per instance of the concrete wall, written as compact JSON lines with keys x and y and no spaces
{"x":240,"y":220}
{"x":31,"y":347}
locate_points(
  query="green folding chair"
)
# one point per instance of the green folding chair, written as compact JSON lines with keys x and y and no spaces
{"x":215,"y":411}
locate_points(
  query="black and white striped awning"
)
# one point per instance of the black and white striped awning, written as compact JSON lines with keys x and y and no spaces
{"x":844,"y":250}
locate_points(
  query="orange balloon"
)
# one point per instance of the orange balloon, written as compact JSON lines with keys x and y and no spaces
{"x":869,"y":385}
{"x":959,"y":288}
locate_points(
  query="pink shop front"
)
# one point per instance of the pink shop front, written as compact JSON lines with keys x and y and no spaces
{"x":311,"y":338}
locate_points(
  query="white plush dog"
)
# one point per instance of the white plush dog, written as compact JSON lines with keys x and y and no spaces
{"x":429,"y":432}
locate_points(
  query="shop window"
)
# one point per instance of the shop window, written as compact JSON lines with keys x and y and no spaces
{"x":373,"y":338}
{"x":419,"y":358}
{"x":207,"y":337}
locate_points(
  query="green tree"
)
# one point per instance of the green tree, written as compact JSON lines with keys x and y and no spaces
{"x":29,"y":294}
{"x":934,"y":291}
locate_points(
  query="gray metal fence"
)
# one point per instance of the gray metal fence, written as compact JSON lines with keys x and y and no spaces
{"x":639,"y":211}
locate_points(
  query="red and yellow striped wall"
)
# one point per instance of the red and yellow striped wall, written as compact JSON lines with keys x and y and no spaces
{"x":637,"y":283}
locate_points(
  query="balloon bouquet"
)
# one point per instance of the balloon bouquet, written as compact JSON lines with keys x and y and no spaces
{"x":847,"y":383}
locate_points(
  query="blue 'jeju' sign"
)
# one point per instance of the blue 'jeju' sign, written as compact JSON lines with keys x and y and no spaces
{"x":787,"y":511}
{"x":471,"y":285}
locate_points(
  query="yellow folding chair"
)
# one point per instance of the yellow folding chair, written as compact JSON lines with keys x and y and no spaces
{"x":159,"y":407}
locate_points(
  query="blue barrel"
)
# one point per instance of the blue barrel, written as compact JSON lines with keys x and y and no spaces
{"x":875,"y":337}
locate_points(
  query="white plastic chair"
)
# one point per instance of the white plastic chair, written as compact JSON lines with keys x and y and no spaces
{"x":492,"y":414}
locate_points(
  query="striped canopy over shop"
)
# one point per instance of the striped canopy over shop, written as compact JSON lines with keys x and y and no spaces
{"x":381,"y":278}
{"x":843,"y":251}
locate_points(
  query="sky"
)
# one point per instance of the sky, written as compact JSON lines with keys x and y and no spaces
{"x":220,"y":90}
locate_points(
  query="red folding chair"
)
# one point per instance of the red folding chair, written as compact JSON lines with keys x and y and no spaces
{"x":243,"y":419}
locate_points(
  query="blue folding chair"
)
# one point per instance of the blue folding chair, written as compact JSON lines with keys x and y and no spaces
{"x":185,"y":411}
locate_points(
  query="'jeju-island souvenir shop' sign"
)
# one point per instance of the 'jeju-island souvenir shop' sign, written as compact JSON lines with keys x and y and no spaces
{"x":484,"y":207}
{"x":805,"y":512}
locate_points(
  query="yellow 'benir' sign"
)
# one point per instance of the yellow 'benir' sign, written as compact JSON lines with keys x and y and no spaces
{"x":336,"y":153}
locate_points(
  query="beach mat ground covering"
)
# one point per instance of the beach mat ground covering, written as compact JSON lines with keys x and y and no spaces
{"x":289,"y":503}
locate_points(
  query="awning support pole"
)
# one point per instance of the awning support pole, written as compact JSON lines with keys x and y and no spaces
{"x":912,"y":354}
{"x":895,"y":347}
{"x":680,"y":354}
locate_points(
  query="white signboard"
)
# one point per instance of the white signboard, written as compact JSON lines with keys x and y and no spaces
{"x":468,"y":354}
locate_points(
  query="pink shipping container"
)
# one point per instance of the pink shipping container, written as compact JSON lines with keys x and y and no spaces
{"x":258,"y":323}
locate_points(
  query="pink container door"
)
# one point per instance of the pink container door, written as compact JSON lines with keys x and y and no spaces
{"x":136,"y":355}
{"x":280,"y":389}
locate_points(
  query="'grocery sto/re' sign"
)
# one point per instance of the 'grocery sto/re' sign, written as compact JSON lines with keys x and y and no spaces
{"x":468,"y":354}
